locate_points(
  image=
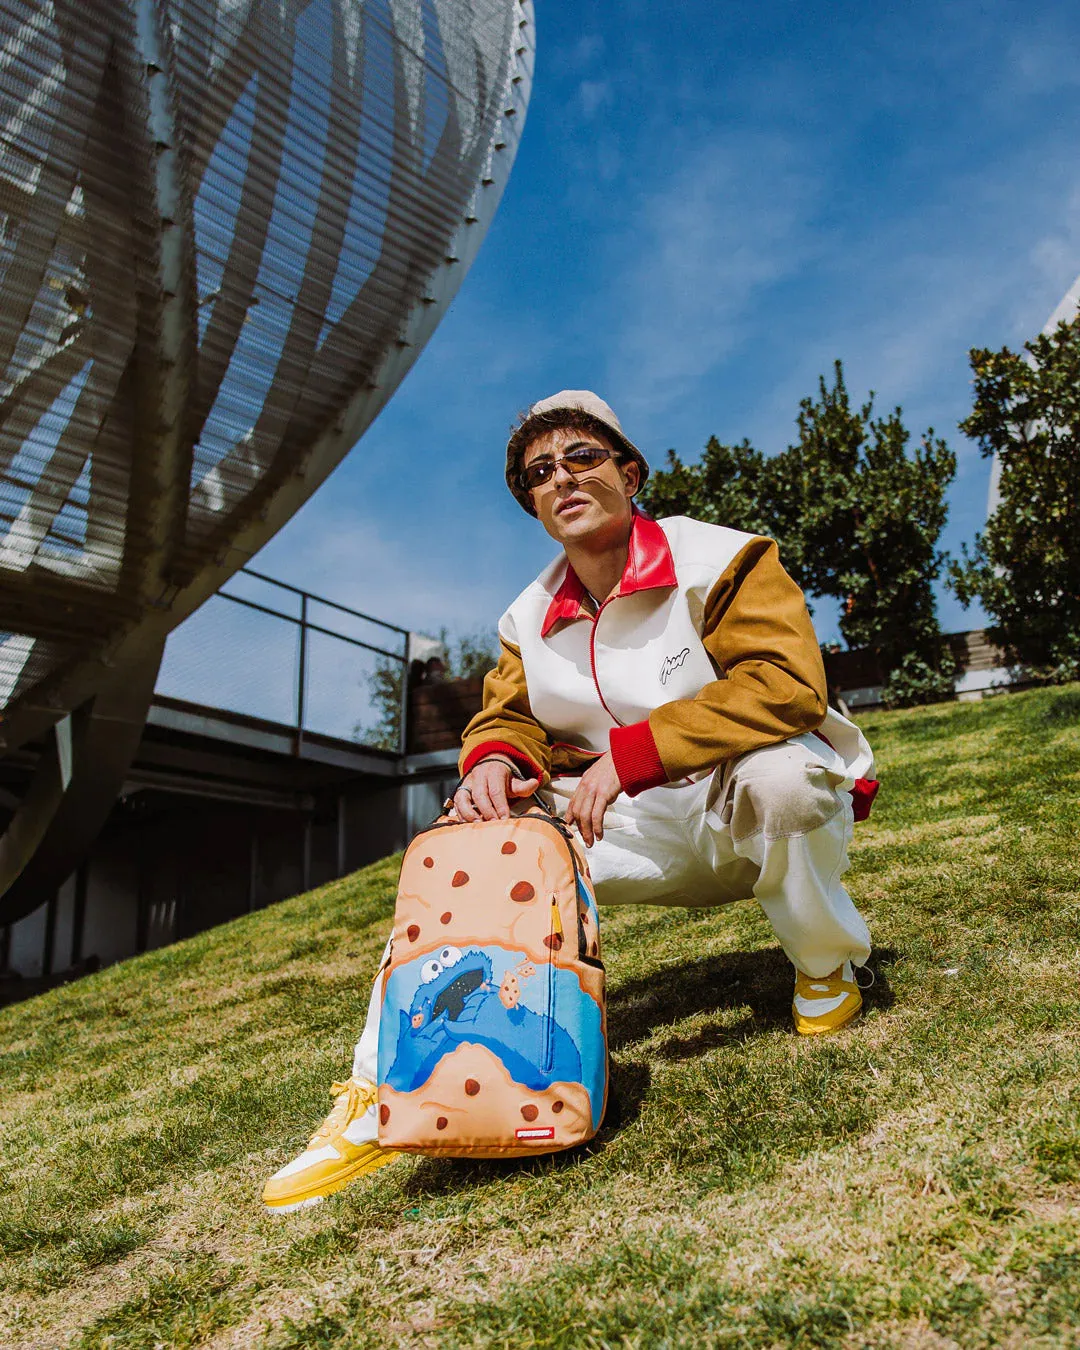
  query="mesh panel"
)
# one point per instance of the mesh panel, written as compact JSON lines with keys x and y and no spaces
{"x":228,"y":656}
{"x":339,"y":692}
{"x":233,"y":654}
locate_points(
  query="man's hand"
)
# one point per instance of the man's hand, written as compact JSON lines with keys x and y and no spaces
{"x":486,"y":792}
{"x":598,"y":788}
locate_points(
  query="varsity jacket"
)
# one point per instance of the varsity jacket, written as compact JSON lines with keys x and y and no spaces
{"x":704,"y":652}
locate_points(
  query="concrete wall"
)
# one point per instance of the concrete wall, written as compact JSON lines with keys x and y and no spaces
{"x":27,"y":943}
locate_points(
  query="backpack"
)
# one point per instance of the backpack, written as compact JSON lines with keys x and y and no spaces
{"x":492,"y":1035}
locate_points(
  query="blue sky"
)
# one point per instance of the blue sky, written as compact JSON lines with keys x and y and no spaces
{"x":711,"y":204}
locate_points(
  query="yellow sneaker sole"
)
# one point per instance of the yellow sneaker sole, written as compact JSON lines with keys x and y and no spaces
{"x":300,"y":1199}
{"x":806,"y":1027}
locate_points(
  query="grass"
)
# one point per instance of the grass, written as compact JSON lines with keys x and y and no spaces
{"x":913,"y":1181}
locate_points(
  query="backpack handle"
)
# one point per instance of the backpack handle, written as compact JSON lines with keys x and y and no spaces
{"x":535,"y":800}
{"x":551,"y":815}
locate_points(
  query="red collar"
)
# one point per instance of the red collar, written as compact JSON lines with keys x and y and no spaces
{"x":649,"y":566}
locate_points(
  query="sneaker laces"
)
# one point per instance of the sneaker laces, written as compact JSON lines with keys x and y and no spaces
{"x":350,"y":1100}
{"x":817,"y":984}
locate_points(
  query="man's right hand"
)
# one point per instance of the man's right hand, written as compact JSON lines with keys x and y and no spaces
{"x":486,"y":793}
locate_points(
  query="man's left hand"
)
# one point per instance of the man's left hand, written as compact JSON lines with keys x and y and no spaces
{"x":598,"y":788}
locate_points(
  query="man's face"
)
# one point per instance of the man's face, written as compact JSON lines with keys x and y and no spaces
{"x":595,"y":506}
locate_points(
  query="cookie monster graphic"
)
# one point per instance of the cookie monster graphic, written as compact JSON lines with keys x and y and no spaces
{"x":460,"y":1001}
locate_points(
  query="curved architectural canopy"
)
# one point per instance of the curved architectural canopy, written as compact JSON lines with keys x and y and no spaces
{"x":227,"y":227}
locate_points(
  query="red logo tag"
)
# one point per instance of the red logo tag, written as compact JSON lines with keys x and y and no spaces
{"x":537,"y":1132}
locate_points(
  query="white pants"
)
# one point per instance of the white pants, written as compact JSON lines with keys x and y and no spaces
{"x":774,"y":825}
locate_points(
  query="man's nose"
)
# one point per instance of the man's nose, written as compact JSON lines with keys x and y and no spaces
{"x":562,"y":473}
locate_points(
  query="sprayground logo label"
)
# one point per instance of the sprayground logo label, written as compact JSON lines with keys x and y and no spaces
{"x":536,"y":1132}
{"x":672,"y":664}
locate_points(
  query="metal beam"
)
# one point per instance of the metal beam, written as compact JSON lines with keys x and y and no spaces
{"x":71,"y":794}
{"x":272,"y":737}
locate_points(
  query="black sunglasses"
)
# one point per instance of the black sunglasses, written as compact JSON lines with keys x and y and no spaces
{"x":586,"y":457}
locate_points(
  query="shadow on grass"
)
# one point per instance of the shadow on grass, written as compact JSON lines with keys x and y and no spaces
{"x":627,"y":1090}
{"x":1064,"y":710}
{"x":759,"y":982}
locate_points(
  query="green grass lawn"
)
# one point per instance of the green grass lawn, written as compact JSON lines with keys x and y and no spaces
{"x":912,"y":1181}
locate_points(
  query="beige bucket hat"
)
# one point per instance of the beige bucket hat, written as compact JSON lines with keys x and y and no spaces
{"x":548,"y":413}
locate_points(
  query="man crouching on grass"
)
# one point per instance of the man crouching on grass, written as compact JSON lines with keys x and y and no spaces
{"x":661,"y":680}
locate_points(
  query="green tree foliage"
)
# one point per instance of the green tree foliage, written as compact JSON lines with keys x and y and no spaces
{"x":468,"y":656}
{"x":1025,"y":565}
{"x":471,"y":654}
{"x":384,"y":692}
{"x":857,"y":514}
{"x":872,"y":509}
{"x":728,"y":486}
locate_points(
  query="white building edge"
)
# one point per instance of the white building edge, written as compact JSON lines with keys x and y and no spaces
{"x":1066,"y":310}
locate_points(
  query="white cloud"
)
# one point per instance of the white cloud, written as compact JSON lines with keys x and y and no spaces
{"x":1043,"y":62}
{"x":900,"y":301}
{"x":227,"y":655}
{"x":1055,"y":255}
{"x":381,"y":568}
{"x":586,"y":49}
{"x":726,"y":224}
{"x":700,"y":255}
{"x":594,"y":95}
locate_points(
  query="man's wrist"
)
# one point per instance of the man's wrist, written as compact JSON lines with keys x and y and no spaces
{"x":497,"y":759}
{"x":520,"y":762}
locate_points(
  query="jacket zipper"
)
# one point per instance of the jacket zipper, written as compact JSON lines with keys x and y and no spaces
{"x":592,"y":661}
{"x":560,"y":830}
{"x":549,"y":1046}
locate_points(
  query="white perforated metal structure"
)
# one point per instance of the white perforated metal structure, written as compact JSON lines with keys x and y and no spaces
{"x":227,"y":228}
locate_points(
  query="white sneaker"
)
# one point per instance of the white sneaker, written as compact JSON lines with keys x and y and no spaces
{"x":826,"y":1004}
{"x":344,"y":1147}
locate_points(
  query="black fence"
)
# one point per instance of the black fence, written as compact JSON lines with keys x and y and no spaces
{"x":268,"y":649}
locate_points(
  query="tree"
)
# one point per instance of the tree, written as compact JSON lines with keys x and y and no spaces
{"x":1025,"y":565}
{"x":857,"y":515}
{"x":866,"y":513}
{"x":468,"y":656}
{"x":728,"y":486}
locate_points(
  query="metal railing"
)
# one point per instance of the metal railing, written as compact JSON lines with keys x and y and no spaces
{"x":268,"y":649}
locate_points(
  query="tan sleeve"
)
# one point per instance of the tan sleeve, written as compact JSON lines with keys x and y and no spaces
{"x":505,"y":725}
{"x":772,"y":679}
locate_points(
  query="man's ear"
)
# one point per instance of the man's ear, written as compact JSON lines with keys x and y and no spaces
{"x":631,"y":472}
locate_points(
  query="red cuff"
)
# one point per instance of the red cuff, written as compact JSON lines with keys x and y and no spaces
{"x":637,"y":761}
{"x":501,"y":748}
{"x":862,"y":796}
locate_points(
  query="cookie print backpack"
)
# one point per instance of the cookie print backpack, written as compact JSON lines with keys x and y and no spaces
{"x":492,"y":1038}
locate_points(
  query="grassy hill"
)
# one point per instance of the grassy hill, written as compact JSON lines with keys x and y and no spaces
{"x":913,"y":1181}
